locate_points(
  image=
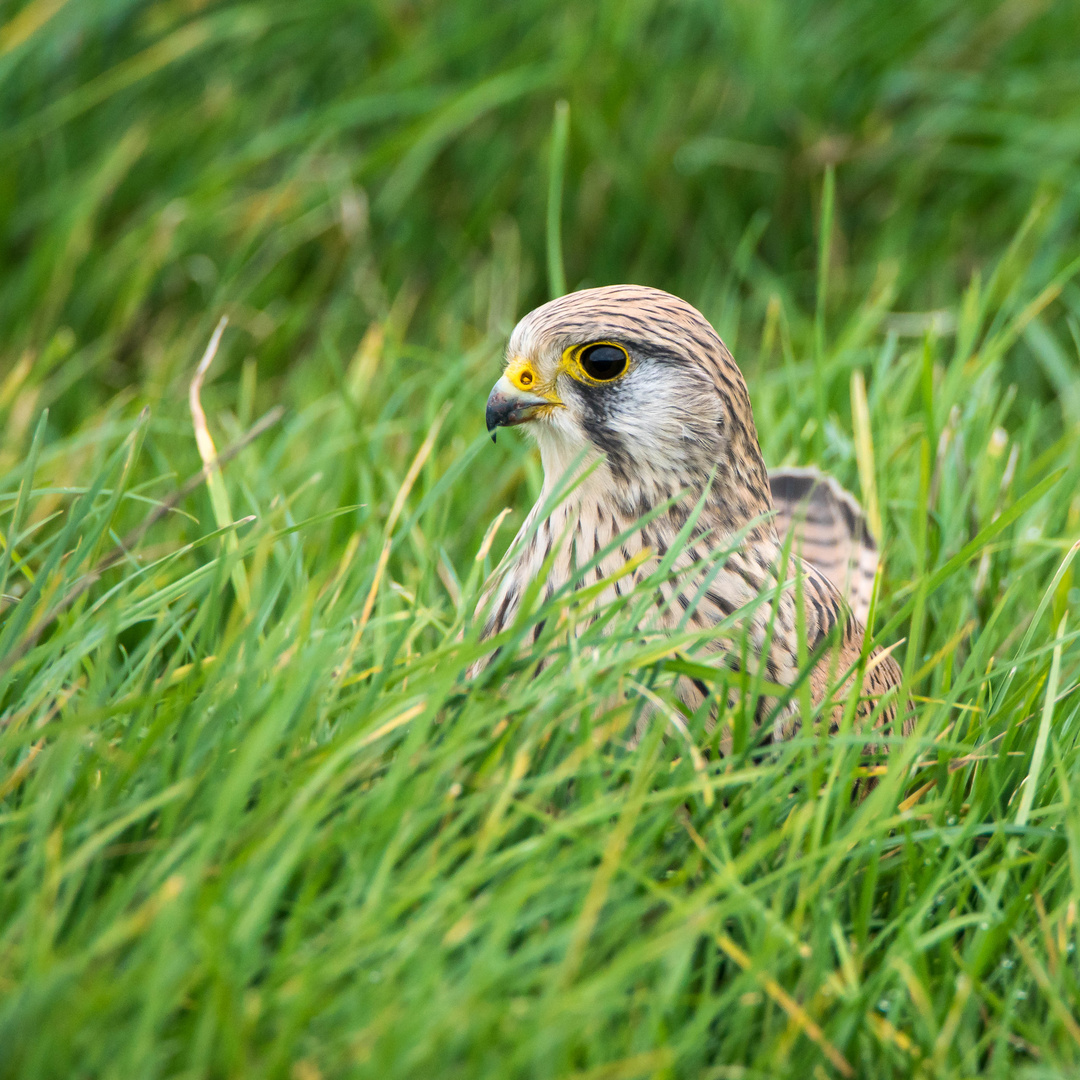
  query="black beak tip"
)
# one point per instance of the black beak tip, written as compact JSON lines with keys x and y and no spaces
{"x":493,"y":434}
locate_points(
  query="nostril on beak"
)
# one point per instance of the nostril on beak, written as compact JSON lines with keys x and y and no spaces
{"x":509,"y":404}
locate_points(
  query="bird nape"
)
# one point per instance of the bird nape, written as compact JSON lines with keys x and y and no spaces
{"x":630,"y":391}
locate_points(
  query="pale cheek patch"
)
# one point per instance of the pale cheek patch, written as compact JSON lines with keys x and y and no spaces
{"x":662,"y":416}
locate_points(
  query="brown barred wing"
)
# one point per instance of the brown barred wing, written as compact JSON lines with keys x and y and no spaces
{"x":831,"y":532}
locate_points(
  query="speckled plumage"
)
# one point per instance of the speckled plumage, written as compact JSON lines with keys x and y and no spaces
{"x":678,"y":424}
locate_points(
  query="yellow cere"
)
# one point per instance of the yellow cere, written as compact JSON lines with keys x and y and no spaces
{"x":523,"y":376}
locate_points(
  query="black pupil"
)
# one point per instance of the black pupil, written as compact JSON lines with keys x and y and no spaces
{"x":603,"y":361}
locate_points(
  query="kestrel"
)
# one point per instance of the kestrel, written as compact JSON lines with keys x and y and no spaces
{"x":634,"y":389}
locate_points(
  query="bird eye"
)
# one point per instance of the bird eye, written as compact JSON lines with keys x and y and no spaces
{"x":603,"y":361}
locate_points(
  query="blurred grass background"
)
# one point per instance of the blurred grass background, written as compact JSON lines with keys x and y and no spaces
{"x":307,"y":166}
{"x":252,"y":819}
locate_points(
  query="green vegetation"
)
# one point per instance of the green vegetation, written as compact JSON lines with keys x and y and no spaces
{"x":254,"y":820}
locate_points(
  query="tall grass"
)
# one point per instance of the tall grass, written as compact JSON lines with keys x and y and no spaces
{"x":254,"y":820}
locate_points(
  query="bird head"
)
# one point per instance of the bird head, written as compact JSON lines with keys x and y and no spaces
{"x":637,"y":376}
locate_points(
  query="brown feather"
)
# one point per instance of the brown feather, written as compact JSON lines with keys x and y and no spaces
{"x":831,"y":532}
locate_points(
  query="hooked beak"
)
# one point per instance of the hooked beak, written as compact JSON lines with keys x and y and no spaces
{"x":508,"y":405}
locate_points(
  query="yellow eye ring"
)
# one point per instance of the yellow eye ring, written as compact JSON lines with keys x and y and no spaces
{"x":597,"y":362}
